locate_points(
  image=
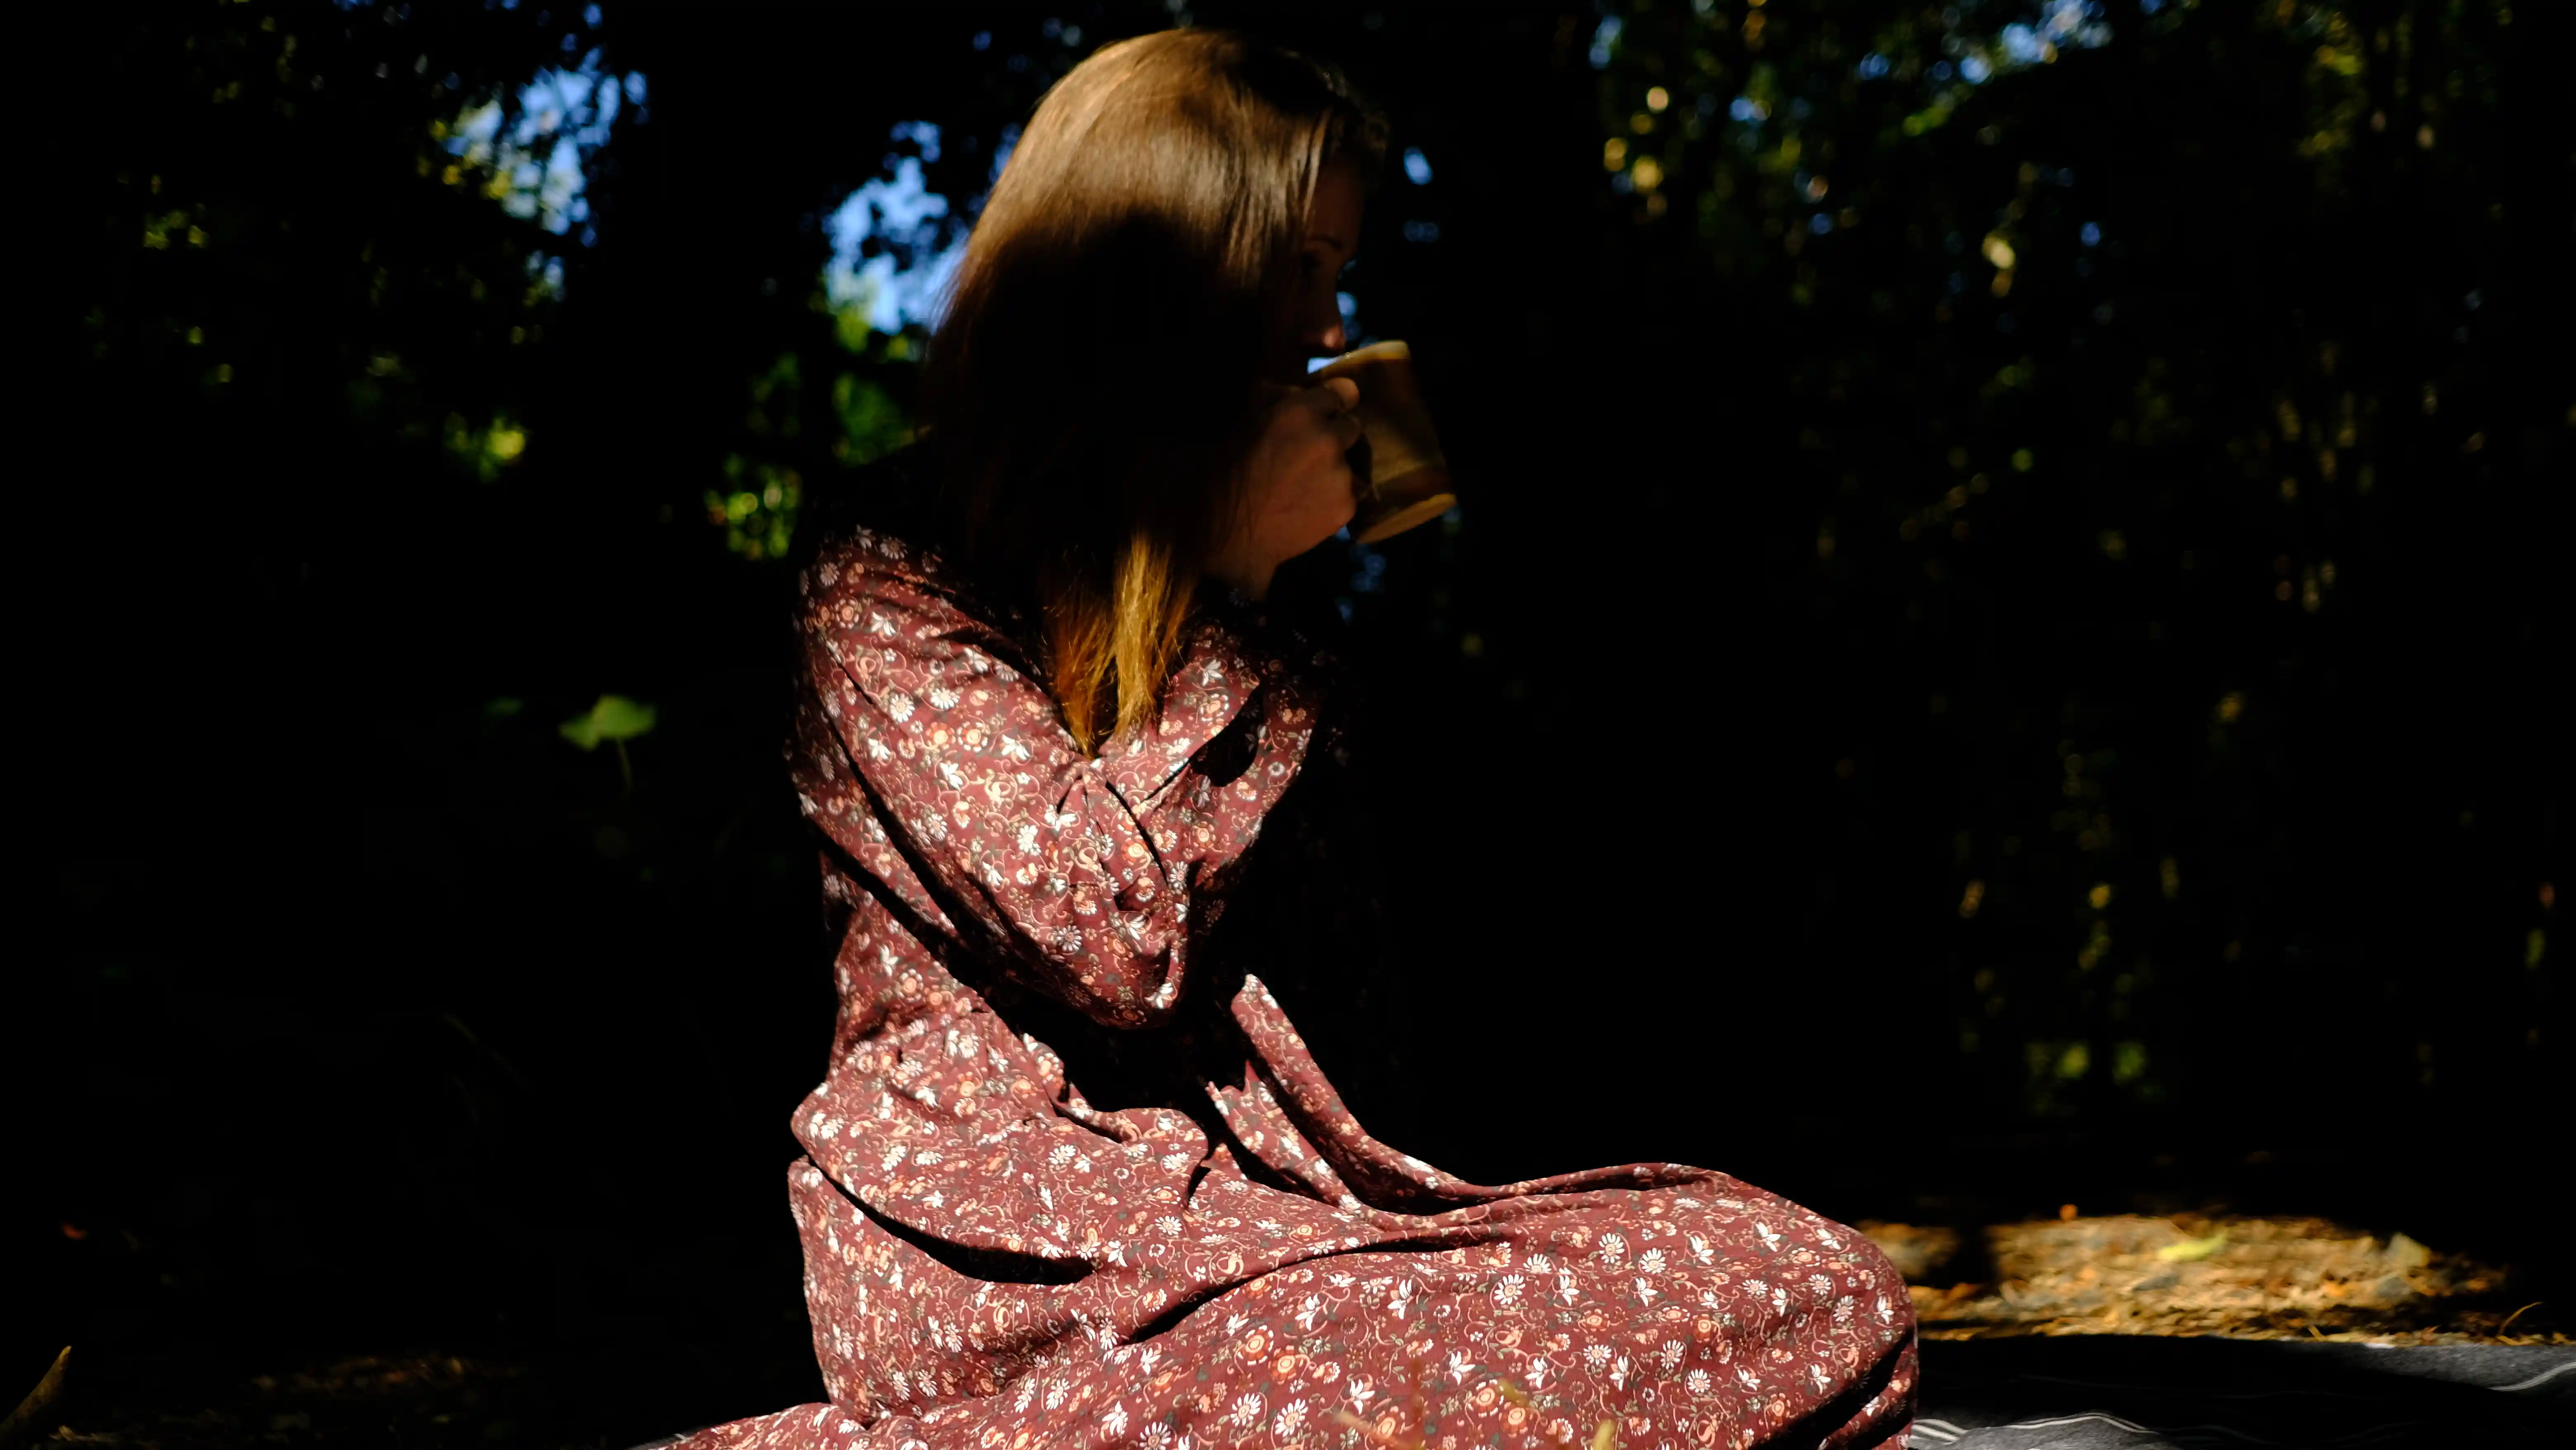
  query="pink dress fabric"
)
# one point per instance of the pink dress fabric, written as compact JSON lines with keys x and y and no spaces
{"x":993,"y":1261}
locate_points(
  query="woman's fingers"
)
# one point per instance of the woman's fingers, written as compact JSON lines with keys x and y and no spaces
{"x":1299,"y":486}
{"x":1339,"y":398}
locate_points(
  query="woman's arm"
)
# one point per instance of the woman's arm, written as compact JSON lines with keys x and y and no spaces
{"x":930,"y":756}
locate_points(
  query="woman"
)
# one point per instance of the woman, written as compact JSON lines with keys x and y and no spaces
{"x":1044,"y":714}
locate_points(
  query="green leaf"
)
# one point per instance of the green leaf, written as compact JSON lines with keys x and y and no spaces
{"x":614,"y":717}
{"x":2192,"y":1251}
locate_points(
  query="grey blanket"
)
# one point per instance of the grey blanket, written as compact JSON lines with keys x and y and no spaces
{"x":2122,"y":1393}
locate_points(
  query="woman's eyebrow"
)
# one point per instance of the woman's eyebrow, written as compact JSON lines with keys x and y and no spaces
{"x":1328,"y":239}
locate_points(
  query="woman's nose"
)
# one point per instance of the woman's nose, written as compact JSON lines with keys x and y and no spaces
{"x":1324,"y":323}
{"x":1328,"y":337}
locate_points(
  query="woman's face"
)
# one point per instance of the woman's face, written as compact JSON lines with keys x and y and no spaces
{"x":1332,"y":235}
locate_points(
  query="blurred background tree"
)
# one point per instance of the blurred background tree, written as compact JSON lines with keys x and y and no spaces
{"x":2141,"y":502}
{"x":1996,"y":649}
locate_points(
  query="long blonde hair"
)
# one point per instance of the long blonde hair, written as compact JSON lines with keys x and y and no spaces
{"x":1089,"y":387}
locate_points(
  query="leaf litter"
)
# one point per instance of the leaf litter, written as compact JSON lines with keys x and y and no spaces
{"x":2249,"y":1278}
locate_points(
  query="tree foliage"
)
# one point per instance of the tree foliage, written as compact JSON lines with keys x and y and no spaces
{"x":2006,"y":585}
{"x":2143,"y":366}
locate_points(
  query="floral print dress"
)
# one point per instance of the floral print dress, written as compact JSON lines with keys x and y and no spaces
{"x":1218,"y":1255}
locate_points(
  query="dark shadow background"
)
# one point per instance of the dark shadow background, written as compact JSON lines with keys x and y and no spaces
{"x":1925,"y":747}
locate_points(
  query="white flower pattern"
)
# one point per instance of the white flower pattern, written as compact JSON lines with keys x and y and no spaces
{"x":1097,"y":874}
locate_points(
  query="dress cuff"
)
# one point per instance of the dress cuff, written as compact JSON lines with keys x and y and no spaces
{"x":1229,"y":650}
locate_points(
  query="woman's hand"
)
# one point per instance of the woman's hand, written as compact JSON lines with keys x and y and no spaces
{"x":1296,"y":485}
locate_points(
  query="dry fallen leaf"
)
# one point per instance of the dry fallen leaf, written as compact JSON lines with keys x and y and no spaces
{"x":2192,"y":1251}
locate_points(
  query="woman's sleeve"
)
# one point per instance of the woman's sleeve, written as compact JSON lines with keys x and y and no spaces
{"x":947,"y":771}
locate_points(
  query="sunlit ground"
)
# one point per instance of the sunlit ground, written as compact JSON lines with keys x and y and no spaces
{"x":2252,"y":1278}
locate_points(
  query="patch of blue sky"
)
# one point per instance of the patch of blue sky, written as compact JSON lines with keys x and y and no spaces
{"x":902,"y":283}
{"x":1001,"y":157}
{"x":2078,"y":23}
{"x":918,"y":237}
{"x":563,"y":118}
{"x":1605,"y":38}
{"x":2058,"y":25}
{"x":922,"y":135}
{"x":2046,"y":28}
{"x":546,"y":274}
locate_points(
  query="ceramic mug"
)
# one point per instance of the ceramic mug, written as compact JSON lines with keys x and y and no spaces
{"x":1396,"y":468}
